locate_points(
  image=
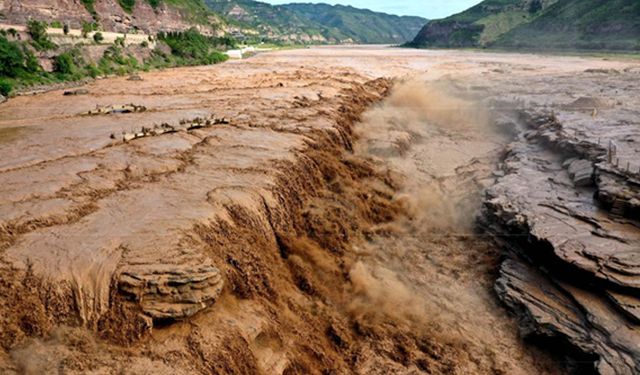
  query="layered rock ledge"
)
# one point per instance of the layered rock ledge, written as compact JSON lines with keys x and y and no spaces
{"x":566,"y":210}
{"x":102,"y":223}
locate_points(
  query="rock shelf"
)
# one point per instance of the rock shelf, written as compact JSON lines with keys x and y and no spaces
{"x":568,"y":217}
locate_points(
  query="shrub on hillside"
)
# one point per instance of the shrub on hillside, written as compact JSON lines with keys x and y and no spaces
{"x":535,"y":6}
{"x":68,"y":63}
{"x":192,"y":48}
{"x":127,"y":5}
{"x":11,"y":58}
{"x":64,"y":64}
{"x":114,"y":53}
{"x":5,"y":87}
{"x":89,"y":6}
{"x":38,"y":32}
{"x":88,"y":27}
{"x":105,"y":65}
{"x":216,"y":57}
{"x":37,"y":29}
{"x":16,"y":60}
{"x":92,"y":70}
{"x":98,"y":37}
{"x":31,"y":64}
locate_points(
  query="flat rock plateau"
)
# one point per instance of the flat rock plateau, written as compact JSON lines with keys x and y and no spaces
{"x":328,"y":210}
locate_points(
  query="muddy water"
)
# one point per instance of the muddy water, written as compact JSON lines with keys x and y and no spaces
{"x":320,"y":273}
{"x":437,"y":270}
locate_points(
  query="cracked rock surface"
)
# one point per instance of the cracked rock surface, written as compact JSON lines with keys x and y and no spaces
{"x":567,"y":211}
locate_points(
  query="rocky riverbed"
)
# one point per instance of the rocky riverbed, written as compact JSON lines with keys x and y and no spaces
{"x":329,"y":210}
{"x":567,"y":211}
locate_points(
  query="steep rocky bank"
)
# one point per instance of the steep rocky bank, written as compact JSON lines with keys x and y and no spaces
{"x":111,"y":15}
{"x":567,"y":213}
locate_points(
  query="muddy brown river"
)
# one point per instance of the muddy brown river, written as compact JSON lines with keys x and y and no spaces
{"x":324,"y":211}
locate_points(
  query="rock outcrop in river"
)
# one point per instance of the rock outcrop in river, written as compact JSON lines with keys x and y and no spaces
{"x":567,"y":211}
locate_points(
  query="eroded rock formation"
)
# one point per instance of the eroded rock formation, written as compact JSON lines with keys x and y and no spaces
{"x":164,"y":17}
{"x":567,"y":213}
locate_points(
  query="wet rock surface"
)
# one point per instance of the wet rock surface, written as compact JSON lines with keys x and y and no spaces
{"x":76,"y":92}
{"x":172,"y":292}
{"x":566,"y":211}
{"x":116,"y":108}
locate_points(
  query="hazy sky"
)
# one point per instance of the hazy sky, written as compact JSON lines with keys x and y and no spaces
{"x":426,"y":8}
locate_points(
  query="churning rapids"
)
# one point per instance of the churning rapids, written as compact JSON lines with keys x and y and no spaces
{"x":327,"y":211}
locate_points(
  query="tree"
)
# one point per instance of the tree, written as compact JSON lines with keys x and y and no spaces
{"x":535,"y":6}
{"x":63,"y":63}
{"x":97,"y":37}
{"x":11,"y":58}
{"x":86,"y":29}
{"x":38,"y":32}
{"x":5,"y":87}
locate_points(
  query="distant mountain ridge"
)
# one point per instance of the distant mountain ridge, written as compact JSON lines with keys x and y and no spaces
{"x":318,"y":22}
{"x":361,"y":25}
{"x":538,"y":24}
{"x":247,"y":20}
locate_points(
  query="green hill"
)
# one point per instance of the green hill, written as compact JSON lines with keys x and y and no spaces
{"x":580,"y":24}
{"x":361,"y":25}
{"x":539,"y":24}
{"x":270,"y":22}
{"x":317,"y":22}
{"x":481,"y":24}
